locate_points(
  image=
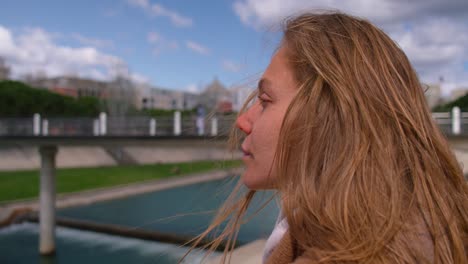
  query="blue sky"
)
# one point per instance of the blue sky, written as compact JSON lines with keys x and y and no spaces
{"x":185,"y":44}
{"x":152,"y":46}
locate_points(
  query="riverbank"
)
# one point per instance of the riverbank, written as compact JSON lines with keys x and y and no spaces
{"x":9,"y":211}
{"x":24,"y":184}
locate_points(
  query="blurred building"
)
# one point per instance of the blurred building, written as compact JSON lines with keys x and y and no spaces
{"x":190,"y":100}
{"x":458,"y":92}
{"x":184,"y":100}
{"x":215,"y":94}
{"x":224,"y":106}
{"x":65,"y":91}
{"x":433,"y":94}
{"x":122,"y":91}
{"x":71,"y":86}
{"x":239,"y":96}
{"x":149,"y":97}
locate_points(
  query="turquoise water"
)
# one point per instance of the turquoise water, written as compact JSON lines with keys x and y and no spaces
{"x":183,"y":210}
{"x":19,"y":244}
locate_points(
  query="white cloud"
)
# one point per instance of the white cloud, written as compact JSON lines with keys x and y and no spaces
{"x":153,"y":37}
{"x":193,"y":88}
{"x":160,"y":43}
{"x":139,"y":78}
{"x":140,"y":3}
{"x":99,"y":43}
{"x":34,"y":51}
{"x":232,"y":66}
{"x":111,"y":13}
{"x":6,"y":41}
{"x":435,"y":42}
{"x":159,"y":10}
{"x":197,"y":47}
{"x":176,"y":19}
{"x":259,"y":13}
{"x":433,"y":33}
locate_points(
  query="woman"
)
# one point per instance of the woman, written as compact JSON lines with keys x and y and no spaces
{"x":342,"y":131}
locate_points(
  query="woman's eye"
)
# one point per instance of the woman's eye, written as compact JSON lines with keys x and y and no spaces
{"x":263,"y":101}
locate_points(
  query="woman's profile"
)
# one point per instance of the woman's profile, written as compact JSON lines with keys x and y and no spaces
{"x":341,"y":129}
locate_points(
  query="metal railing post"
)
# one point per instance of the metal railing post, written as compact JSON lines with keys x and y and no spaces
{"x":177,"y":123}
{"x":36,"y":124}
{"x":456,"y":124}
{"x":96,"y":127}
{"x":214,"y":126}
{"x":45,"y":127}
{"x":102,"y":124}
{"x":153,"y":127}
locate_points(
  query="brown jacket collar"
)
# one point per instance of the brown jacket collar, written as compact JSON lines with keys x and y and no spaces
{"x":287,"y":251}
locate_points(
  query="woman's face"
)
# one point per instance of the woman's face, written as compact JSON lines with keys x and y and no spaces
{"x":262,"y":121}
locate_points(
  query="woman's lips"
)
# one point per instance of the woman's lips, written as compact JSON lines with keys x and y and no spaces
{"x":246,"y":152}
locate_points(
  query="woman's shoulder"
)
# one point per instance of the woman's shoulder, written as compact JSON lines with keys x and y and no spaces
{"x":415,"y":238}
{"x":286,"y":251}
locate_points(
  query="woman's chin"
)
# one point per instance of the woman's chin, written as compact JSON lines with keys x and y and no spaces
{"x":254,"y":183}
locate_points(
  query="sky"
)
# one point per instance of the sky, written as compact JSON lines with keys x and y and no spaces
{"x":184,"y":45}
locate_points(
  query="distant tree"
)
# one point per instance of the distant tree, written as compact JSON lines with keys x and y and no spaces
{"x":461,"y":102}
{"x":167,"y":113}
{"x":20,"y":100}
{"x":88,"y":106}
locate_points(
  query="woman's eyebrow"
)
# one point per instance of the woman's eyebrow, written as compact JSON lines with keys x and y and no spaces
{"x":264,"y":86}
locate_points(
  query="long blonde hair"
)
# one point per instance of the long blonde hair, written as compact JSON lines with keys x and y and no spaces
{"x":364,"y":173}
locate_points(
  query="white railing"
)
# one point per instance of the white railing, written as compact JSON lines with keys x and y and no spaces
{"x":104,"y":125}
{"x":451,"y":123}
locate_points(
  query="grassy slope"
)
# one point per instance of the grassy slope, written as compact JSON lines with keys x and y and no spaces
{"x":25,"y":184}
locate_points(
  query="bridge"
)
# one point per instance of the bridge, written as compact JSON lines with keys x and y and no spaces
{"x":50,"y":133}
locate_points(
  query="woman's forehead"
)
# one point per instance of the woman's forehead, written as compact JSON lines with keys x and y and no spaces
{"x":278,"y":74}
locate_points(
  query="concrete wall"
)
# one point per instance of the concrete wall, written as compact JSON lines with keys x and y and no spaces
{"x":24,"y":158}
{"x":176,"y":154}
{"x":67,"y":157}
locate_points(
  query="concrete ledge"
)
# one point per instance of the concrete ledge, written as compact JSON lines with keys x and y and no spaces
{"x":122,"y":231}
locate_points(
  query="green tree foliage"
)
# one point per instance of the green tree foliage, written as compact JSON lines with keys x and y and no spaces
{"x":167,"y":113}
{"x":461,"y":102}
{"x":20,"y":100}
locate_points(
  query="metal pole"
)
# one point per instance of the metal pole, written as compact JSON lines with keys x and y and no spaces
{"x":214,"y":126}
{"x":45,"y":127}
{"x":200,"y":126}
{"x":152,"y":127}
{"x":96,"y":127}
{"x":47,"y":200}
{"x":177,"y":125}
{"x":456,"y":126}
{"x":103,"y":124}
{"x":37,"y":124}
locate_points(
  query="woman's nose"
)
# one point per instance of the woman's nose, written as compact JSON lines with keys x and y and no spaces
{"x":244,"y":122}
